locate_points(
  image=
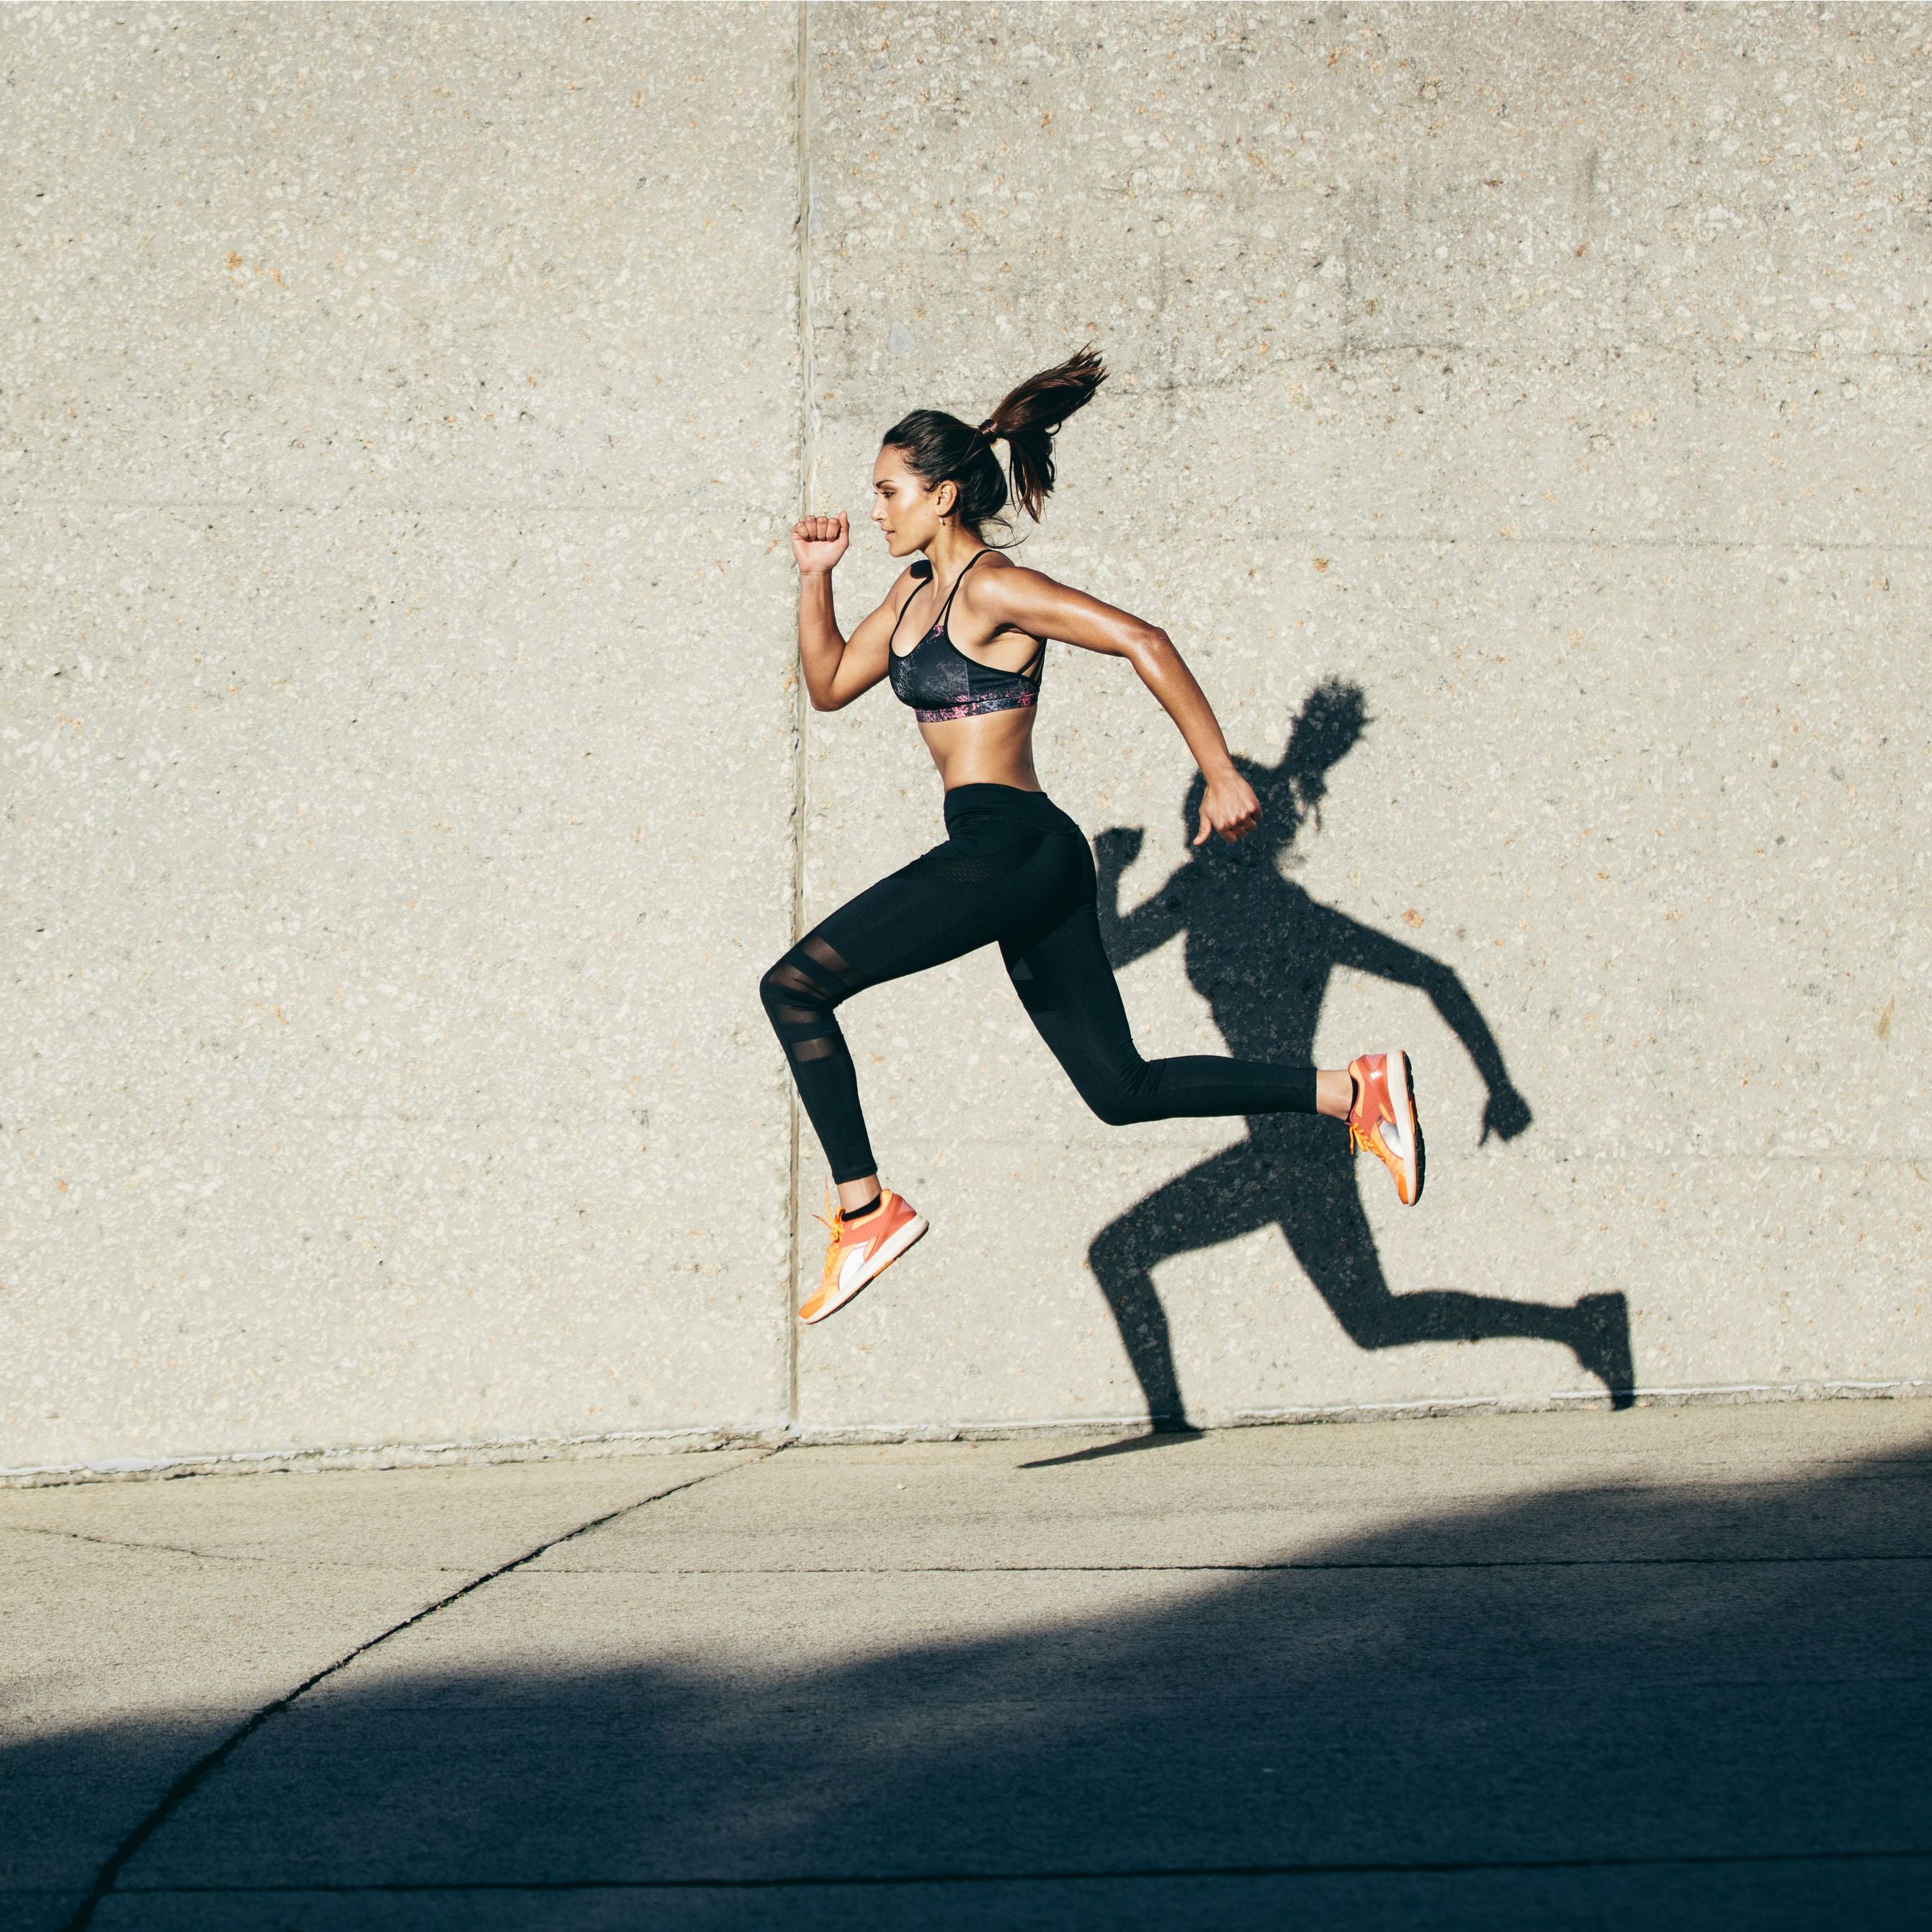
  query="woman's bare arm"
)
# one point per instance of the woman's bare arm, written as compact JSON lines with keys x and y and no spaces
{"x":1034,"y":602}
{"x":836,"y":669}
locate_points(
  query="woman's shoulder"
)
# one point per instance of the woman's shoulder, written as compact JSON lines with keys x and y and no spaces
{"x":989,"y":563}
{"x":1010,"y":607}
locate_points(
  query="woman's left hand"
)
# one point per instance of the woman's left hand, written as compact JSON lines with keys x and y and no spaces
{"x":1229,"y":807}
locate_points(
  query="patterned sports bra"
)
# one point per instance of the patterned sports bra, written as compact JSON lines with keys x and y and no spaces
{"x":940,"y":681}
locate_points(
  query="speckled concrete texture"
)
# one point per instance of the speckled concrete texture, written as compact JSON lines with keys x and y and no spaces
{"x":1519,"y":419}
{"x":398,"y":730}
{"x":1553,"y":379}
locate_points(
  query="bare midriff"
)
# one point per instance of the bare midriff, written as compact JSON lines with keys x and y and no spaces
{"x":995,"y":749}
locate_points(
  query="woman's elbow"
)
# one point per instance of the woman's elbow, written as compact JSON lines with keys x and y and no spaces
{"x":1149,"y":649}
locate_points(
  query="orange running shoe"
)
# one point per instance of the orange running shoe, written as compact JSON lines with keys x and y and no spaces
{"x":860,"y":1250}
{"x":1383,"y":1122}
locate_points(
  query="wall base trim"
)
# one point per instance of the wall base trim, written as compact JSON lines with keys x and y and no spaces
{"x":397,"y":1455}
{"x":692,"y":1441}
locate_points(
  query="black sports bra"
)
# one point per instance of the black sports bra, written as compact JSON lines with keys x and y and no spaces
{"x":940,"y":681}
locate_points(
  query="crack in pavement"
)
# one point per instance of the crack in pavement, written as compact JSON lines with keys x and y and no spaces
{"x":185,"y":1785}
{"x":286,"y":1563}
{"x":1612,"y":1860}
{"x":993,"y":1569}
{"x":1237,"y":1569}
{"x":124,"y":1543}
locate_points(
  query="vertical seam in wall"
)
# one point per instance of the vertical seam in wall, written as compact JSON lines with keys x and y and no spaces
{"x":807,"y":453}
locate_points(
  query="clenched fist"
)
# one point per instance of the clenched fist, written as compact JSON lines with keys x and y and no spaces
{"x":819,"y":542}
{"x":1229,"y":807}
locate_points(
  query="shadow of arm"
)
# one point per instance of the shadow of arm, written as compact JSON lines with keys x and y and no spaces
{"x":1131,"y":936}
{"x":1506,"y":1113}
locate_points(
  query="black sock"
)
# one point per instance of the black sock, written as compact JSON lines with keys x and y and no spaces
{"x":849,"y":1214}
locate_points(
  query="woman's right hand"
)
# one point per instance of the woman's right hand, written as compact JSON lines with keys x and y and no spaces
{"x":819,"y":542}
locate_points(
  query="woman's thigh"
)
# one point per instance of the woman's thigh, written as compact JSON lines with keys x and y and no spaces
{"x":1066,"y":981}
{"x":947,"y":902}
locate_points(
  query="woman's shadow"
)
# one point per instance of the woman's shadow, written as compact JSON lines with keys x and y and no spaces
{"x":1261,"y":951}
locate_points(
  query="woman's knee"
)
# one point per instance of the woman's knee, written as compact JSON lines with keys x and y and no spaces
{"x":1114,"y":1108}
{"x":772,"y":991}
{"x":1114,"y":1095}
{"x":791,"y":997}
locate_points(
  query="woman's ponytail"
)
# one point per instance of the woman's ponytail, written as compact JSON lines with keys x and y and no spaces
{"x":1027,"y":417}
{"x":940,"y":449}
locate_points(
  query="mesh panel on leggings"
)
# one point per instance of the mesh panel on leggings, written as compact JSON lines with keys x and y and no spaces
{"x":785,"y":974}
{"x":815,"y":949}
{"x":974,"y":868}
{"x":799,"y":993}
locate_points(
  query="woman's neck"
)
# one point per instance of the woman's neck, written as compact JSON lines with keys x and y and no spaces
{"x":950,"y":553}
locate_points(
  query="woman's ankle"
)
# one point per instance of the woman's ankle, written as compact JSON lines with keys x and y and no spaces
{"x":855,"y":1196}
{"x":1334,"y":1093}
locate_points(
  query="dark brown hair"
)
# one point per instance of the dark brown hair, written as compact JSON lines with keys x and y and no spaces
{"x":940,"y":449}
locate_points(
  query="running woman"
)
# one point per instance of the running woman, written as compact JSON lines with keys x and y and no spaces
{"x":1014,"y":868}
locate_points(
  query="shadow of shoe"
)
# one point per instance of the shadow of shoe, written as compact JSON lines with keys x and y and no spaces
{"x":1157,"y":1437}
{"x":1603,"y":1344}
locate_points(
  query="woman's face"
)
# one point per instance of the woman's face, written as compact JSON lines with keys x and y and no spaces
{"x":904,"y":508}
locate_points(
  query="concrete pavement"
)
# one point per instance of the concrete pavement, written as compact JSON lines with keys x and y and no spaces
{"x":1578,"y":1668}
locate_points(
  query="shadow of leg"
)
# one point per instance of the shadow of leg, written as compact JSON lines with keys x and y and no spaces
{"x":1209,"y":1204}
{"x":1332,"y":1239}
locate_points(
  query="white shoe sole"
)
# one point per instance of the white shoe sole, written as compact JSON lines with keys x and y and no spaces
{"x":1401,"y":1098}
{"x":882,"y":1260}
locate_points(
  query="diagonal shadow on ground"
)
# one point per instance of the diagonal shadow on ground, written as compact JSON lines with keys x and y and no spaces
{"x":1599,"y":1706}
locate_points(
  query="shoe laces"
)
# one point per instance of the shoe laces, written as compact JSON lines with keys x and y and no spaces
{"x":828,"y":1221}
{"x":835,"y":1227}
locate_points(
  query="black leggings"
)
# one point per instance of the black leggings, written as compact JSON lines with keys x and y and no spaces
{"x":1015,"y":868}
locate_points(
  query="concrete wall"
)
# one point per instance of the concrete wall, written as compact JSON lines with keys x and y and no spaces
{"x":400,"y":748}
{"x":402,"y":791}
